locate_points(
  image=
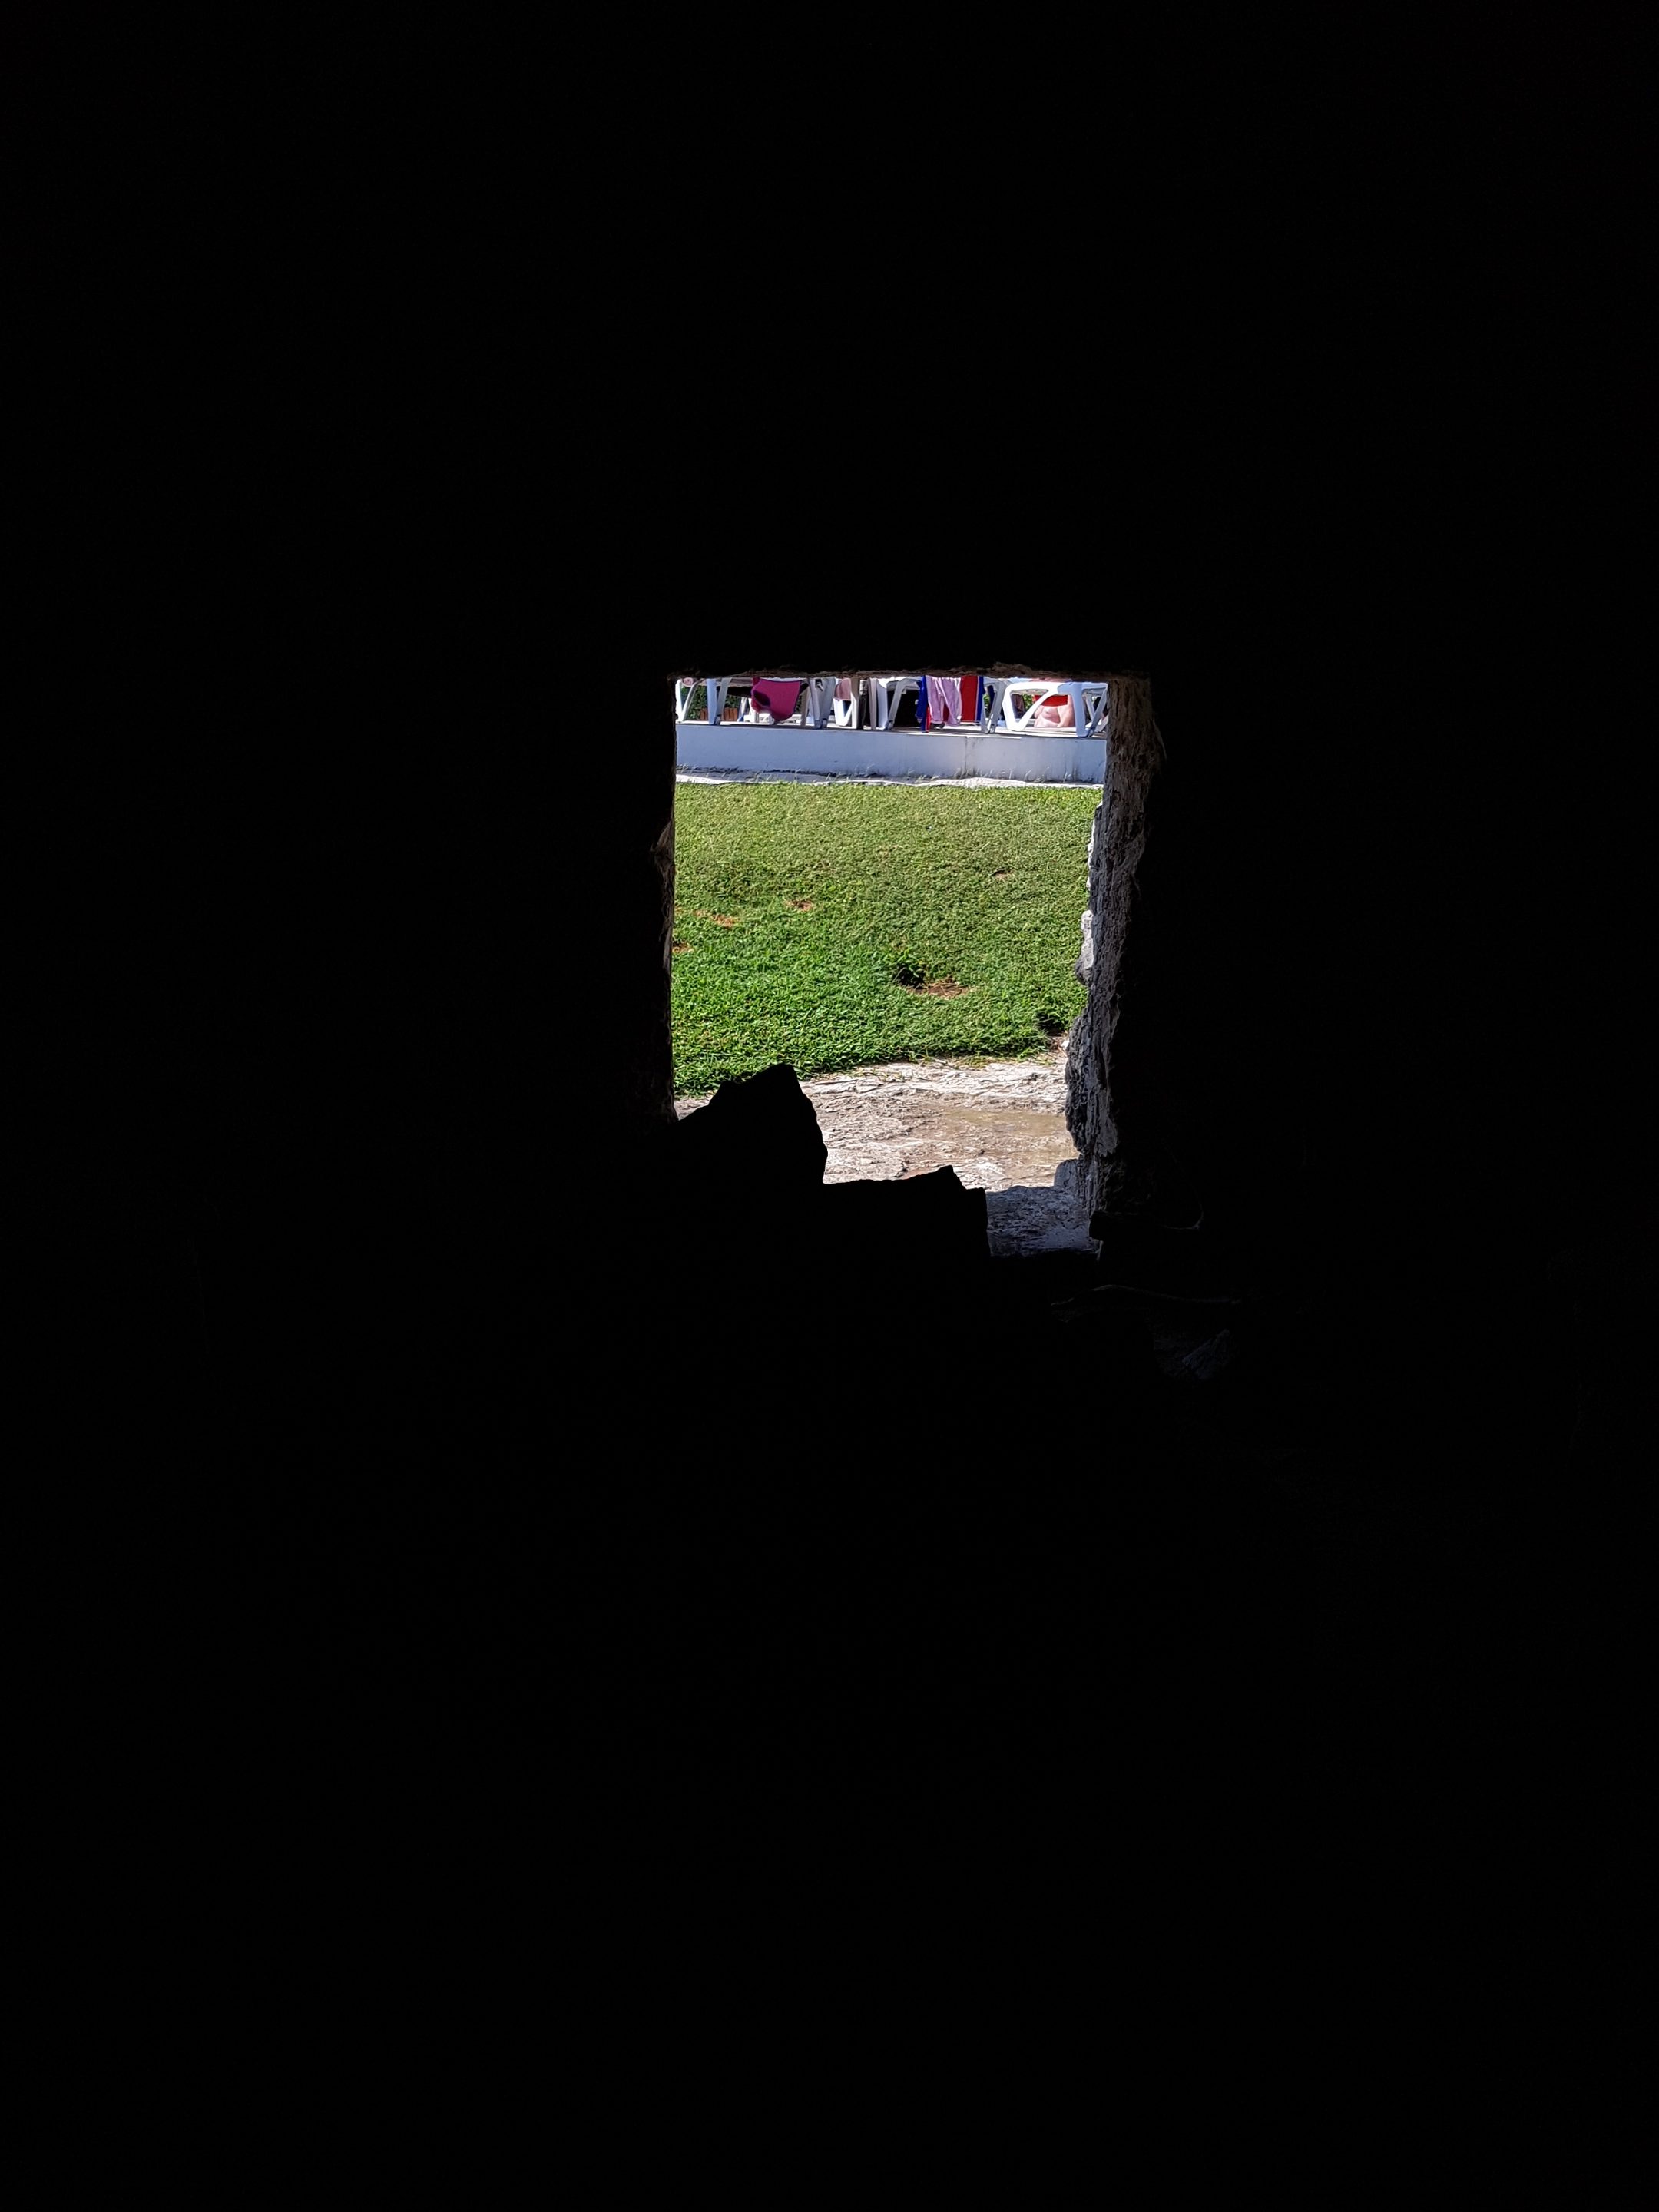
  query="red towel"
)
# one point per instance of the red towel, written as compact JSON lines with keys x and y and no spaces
{"x":776,"y":699}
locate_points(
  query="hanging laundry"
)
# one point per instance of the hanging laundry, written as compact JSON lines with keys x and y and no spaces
{"x":776,"y":698}
{"x":943,"y":700}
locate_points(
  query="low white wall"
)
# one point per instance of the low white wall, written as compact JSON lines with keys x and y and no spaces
{"x":734,"y":747}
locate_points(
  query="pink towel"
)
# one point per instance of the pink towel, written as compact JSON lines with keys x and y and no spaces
{"x":943,"y":700}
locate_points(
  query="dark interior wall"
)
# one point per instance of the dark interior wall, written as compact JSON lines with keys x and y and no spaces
{"x":414,"y":864}
{"x":1375,"y":990}
{"x":1339,"y":525}
{"x":1384,"y":598}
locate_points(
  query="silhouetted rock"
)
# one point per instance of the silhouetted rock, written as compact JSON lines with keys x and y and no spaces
{"x":929,"y":1222}
{"x":759,"y":1132}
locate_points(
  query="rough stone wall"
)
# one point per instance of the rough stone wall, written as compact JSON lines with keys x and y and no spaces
{"x":638,"y":985}
{"x":1114,"y":1174}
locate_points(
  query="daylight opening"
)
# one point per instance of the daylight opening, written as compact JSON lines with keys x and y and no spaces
{"x":882,"y":880}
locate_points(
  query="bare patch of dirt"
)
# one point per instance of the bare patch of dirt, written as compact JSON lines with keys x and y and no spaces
{"x":679,"y":945}
{"x":801,"y":906}
{"x":918,"y":981}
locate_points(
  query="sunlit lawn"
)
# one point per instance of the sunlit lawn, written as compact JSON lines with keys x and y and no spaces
{"x":836,"y":925}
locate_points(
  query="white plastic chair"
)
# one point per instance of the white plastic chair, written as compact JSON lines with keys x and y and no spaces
{"x":1089,"y":706}
{"x":1019,"y":721}
{"x":824,"y":710}
{"x":885,"y":692}
{"x":716,"y":690}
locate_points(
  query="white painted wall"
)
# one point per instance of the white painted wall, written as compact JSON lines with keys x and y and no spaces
{"x":763,"y":747}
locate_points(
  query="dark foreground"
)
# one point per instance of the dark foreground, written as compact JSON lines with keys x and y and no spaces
{"x":925,"y":1631}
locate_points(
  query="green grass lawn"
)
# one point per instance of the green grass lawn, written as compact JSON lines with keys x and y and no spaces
{"x":834,"y":925}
